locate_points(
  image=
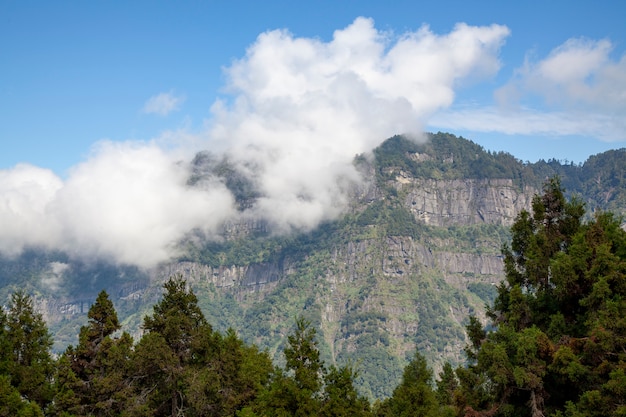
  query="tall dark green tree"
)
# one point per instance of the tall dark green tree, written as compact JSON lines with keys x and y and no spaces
{"x":415,"y":395}
{"x":169,"y":347}
{"x":5,"y":344}
{"x":341,"y":398}
{"x":447,"y":385}
{"x":302,"y":356}
{"x":559,"y":344}
{"x":99,"y":374}
{"x":66,"y":402}
{"x":297,"y":390}
{"x":226,"y":375}
{"x":28,"y":341}
{"x":12,"y":404}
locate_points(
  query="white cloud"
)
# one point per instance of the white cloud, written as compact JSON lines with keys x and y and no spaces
{"x":128,"y":203}
{"x":25,"y":192}
{"x":299,"y":110}
{"x":53,"y":277}
{"x":528,"y":121}
{"x":163,"y":104}
{"x":579,"y":74}
{"x":578,"y":89}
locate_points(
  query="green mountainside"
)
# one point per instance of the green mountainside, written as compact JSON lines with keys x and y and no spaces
{"x":417,"y":253}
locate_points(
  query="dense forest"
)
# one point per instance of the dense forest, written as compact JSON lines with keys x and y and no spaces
{"x":555,"y":345}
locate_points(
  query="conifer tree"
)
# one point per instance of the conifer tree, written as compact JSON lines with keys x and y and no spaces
{"x":415,"y":395}
{"x":447,"y":384}
{"x":340,"y":396}
{"x":29,"y":364}
{"x":169,"y":347}
{"x":296,"y":391}
{"x":303,"y":357}
{"x":66,"y":401}
{"x":99,"y":364}
{"x":12,"y":404}
{"x":559,"y":345}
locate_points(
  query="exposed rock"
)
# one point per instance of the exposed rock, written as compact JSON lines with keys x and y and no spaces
{"x":464,"y":202}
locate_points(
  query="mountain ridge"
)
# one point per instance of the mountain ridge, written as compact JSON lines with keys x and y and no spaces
{"x":417,"y":251}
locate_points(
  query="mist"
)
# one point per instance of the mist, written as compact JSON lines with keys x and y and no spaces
{"x":294,"y":114}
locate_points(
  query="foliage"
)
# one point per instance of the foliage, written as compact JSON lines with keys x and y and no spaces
{"x":444,"y":156}
{"x":305,"y":387}
{"x":26,"y":360}
{"x":93,"y":376}
{"x":369,"y":304}
{"x":559,"y":343}
{"x":183,"y":366}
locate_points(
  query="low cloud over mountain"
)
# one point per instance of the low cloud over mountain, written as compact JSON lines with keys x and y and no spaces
{"x":295,"y":113}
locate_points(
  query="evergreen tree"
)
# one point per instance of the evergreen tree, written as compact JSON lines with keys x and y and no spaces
{"x":340,"y":397}
{"x":99,"y":364}
{"x":29,"y":366}
{"x":447,"y":384}
{"x":169,"y":348}
{"x":226,"y":375}
{"x":303,"y":357}
{"x":415,"y":395}
{"x":66,"y":402}
{"x":5,"y":344}
{"x":177,"y":317}
{"x":12,"y":404}
{"x":559,"y":344}
{"x":297,"y":390}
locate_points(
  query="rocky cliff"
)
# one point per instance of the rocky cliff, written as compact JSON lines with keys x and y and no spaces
{"x":415,"y":254}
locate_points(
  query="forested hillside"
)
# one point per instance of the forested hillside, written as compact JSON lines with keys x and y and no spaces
{"x":415,"y":255}
{"x":554,"y":344}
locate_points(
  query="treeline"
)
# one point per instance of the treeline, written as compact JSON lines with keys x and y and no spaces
{"x":601,"y":180}
{"x":555,"y":346}
{"x":179,"y":367}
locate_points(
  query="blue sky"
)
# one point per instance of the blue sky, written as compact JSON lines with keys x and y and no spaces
{"x":104,"y":104}
{"x":74,"y":73}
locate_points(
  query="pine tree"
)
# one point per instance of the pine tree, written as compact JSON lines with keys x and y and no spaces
{"x":415,"y":395}
{"x":66,"y":402}
{"x":559,"y":344}
{"x":447,"y":384}
{"x":99,"y":364}
{"x":226,"y":375}
{"x":296,"y":391}
{"x":12,"y":404}
{"x":30,"y":365}
{"x":303,"y":357}
{"x":340,"y":396}
{"x":169,"y":347}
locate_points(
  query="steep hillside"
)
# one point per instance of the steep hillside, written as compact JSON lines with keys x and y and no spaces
{"x":417,"y":251}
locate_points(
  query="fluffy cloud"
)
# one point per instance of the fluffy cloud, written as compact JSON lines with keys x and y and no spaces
{"x":162,"y":104}
{"x":579,"y":74}
{"x":301,"y":109}
{"x":25,"y":192}
{"x":128,"y":203}
{"x":529,"y":121}
{"x":297,"y":113}
{"x":578,"y":89}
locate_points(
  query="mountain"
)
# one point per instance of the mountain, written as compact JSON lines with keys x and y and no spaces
{"x":416,"y":252}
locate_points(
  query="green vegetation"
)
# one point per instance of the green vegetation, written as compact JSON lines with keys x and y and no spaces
{"x":601,"y":180}
{"x":26,"y":366}
{"x":376,"y":285}
{"x":556,"y":346}
{"x":445,"y":156}
{"x":559,"y":342}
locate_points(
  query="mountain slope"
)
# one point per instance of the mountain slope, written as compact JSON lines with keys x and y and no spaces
{"x":417,"y":251}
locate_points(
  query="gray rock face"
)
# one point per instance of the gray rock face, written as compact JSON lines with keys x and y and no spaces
{"x":439,"y":203}
{"x":464,"y":202}
{"x":256,"y":276}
